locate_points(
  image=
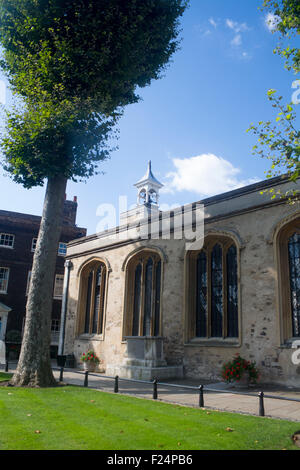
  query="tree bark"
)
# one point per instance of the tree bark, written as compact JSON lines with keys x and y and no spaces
{"x":34,"y":366}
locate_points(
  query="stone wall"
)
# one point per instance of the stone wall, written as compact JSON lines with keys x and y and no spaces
{"x":252,"y":227}
{"x":259,"y":316}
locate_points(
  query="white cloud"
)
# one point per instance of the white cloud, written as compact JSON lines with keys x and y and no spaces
{"x":205,"y":175}
{"x":237,"y":27}
{"x":207,"y":32}
{"x":246,"y":56}
{"x":213,"y":22}
{"x":271,"y":21}
{"x":237,"y":41}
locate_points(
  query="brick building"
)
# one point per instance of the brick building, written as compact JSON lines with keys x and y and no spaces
{"x":18,"y":236}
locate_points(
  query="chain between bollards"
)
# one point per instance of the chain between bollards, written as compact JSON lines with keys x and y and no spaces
{"x":261,"y":404}
{"x":201,"y":396}
{"x":155,"y":389}
{"x":116,"y":388}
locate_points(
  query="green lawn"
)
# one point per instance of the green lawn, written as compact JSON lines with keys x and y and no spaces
{"x":77,"y":418}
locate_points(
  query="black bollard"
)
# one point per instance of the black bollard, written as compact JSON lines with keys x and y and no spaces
{"x":116,"y":389}
{"x":261,"y":404}
{"x":6,"y":366}
{"x":201,"y":397}
{"x":155,"y":389}
{"x":86,"y":379}
{"x":61,"y":375}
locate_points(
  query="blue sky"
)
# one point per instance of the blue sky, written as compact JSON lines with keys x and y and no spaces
{"x":192,"y":123}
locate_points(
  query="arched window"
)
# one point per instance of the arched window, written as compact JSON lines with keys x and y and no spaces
{"x":142,"y":196}
{"x":92,"y":301}
{"x":212,"y":290}
{"x":153,"y":197}
{"x":289,"y":274}
{"x":294,"y":271}
{"x":143,"y":293}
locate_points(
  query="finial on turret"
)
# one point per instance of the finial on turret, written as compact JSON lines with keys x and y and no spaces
{"x":148,"y":188}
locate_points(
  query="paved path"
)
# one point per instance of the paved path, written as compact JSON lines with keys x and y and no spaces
{"x":232,"y":400}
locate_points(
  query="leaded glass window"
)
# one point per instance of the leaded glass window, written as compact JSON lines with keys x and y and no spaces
{"x":157,"y":299}
{"x":201,"y":309}
{"x":216,"y":292}
{"x":148,"y":298}
{"x":88,"y":303}
{"x":294,"y":269}
{"x":213,"y":290}
{"x":93,"y":298}
{"x":232,"y":293}
{"x":137,"y":300}
{"x":142,"y":315}
{"x":288,"y":245}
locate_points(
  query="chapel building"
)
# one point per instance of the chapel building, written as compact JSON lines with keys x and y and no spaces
{"x":152,"y":301}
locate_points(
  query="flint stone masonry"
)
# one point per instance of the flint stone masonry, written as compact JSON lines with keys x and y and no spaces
{"x":252,"y":221}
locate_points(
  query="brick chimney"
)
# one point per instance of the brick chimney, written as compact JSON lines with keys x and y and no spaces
{"x":70,"y":211}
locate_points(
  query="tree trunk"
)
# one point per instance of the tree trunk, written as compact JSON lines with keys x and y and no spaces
{"x":34,"y":366}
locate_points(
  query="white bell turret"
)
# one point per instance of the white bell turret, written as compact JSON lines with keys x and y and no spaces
{"x":148,"y":188}
{"x":147,"y":198}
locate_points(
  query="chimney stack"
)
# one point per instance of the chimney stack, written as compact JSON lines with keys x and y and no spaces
{"x":70,"y":212}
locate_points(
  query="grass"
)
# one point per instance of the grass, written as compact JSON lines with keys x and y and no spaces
{"x":75,"y":418}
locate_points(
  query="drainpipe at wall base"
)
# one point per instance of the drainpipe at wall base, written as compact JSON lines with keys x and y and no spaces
{"x":61,"y":358}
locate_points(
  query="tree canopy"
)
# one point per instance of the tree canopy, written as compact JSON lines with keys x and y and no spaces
{"x":279,"y":139}
{"x":286,"y":14}
{"x":92,"y":50}
{"x":76,"y":64}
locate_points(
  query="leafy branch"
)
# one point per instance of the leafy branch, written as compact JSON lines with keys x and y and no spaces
{"x":279,"y":142}
{"x":286,"y":14}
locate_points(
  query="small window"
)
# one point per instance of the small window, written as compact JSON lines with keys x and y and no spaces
{"x":62,"y":249}
{"x":7,"y":240}
{"x":33,"y":244}
{"x":58,"y":286}
{"x":55,"y":325}
{"x":4,"y":275}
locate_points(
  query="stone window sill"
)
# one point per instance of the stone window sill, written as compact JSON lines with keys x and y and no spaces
{"x":288,"y":344}
{"x":214,"y":342}
{"x":87,"y":337}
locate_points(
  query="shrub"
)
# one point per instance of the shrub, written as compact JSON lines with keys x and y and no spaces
{"x":89,"y":356}
{"x":234,"y":370}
